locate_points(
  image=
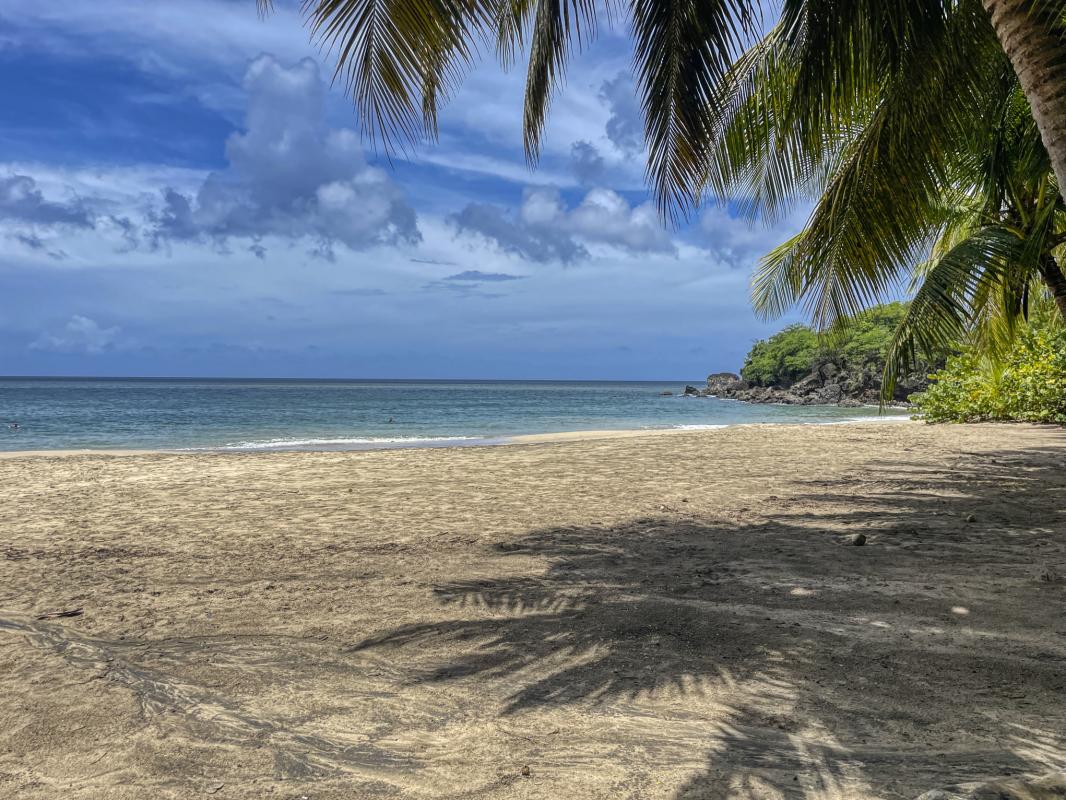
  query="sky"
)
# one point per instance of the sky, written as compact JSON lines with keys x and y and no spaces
{"x":184,"y":193}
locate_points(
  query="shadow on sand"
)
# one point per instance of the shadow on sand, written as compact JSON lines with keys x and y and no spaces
{"x":933,"y":655}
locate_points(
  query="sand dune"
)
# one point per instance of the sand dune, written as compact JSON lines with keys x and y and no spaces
{"x":676,"y":616}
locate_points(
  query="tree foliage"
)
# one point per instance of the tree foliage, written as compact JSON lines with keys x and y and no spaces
{"x":798,"y":350}
{"x":1027,"y":383}
{"x":942,"y":186}
{"x":782,"y":359}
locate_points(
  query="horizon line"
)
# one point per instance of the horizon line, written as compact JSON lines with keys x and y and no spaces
{"x":335,"y":379}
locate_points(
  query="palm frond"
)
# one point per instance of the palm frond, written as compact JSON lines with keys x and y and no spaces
{"x":558,"y":25}
{"x":884,"y":205}
{"x":757,"y":159}
{"x":399,"y":58}
{"x":953,"y":291}
{"x":683,"y":50}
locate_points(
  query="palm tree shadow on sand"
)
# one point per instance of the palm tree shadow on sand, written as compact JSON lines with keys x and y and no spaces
{"x":797,"y":664}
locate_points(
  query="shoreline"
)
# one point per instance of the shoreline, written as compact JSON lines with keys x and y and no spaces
{"x":446,"y":443}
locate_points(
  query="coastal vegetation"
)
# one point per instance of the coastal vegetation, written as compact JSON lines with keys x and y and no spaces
{"x":997,"y":228}
{"x":999,"y":375}
{"x":783,"y":358}
{"x":802,"y":366}
{"x":798,"y":350}
{"x":1025,"y":383}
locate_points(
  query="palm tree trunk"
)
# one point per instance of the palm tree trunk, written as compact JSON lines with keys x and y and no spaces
{"x":1036,"y":47}
{"x":1055,"y":280}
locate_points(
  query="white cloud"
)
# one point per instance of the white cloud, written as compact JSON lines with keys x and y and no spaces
{"x":79,"y":335}
{"x":544,"y":229}
{"x":739,"y":242}
{"x":289,"y":175}
{"x":179,"y":39}
{"x":624,"y":126}
{"x":21,"y":200}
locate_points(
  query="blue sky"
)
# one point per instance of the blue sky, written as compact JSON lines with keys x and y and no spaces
{"x":183,"y":193}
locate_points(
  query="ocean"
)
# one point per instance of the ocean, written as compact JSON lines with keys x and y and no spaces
{"x":173,"y":414}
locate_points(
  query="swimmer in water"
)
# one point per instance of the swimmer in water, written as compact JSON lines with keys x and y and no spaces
{"x":14,"y":426}
{"x":391,"y":421}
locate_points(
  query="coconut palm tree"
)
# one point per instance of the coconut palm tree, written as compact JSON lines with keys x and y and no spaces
{"x":400,"y":59}
{"x":995,"y":254}
{"x":954,"y":191}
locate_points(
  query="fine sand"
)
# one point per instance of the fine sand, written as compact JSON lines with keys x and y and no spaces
{"x":674,"y":616}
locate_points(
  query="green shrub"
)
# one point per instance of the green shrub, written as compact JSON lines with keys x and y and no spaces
{"x":1028,"y":384}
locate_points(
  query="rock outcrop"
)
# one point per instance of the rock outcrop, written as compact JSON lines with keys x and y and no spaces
{"x":827,"y":385}
{"x":724,"y":382}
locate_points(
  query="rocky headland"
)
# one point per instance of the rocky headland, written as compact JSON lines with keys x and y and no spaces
{"x":843,"y":367}
{"x":826,"y":385}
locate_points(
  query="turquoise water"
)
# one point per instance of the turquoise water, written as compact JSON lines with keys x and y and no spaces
{"x":327,"y":415}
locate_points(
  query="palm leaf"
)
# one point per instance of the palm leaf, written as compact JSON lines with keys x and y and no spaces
{"x":557,"y":26}
{"x":399,"y":58}
{"x":683,"y":51}
{"x":951,"y":292}
{"x":883,"y":205}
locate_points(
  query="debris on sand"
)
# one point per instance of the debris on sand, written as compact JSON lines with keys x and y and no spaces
{"x":73,"y":612}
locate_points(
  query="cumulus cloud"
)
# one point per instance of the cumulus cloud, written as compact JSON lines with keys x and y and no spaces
{"x":21,"y":200}
{"x":79,"y":335}
{"x":290,"y":176}
{"x":587,"y":163}
{"x":544,"y":229}
{"x":739,"y":242}
{"x":624,"y":126}
{"x":537,"y":243}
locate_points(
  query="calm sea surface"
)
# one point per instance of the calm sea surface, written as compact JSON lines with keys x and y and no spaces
{"x":327,"y":415}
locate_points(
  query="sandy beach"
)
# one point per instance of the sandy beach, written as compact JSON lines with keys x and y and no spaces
{"x":671,"y":616}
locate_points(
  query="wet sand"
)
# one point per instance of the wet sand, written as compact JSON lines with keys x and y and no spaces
{"x":656,"y":616}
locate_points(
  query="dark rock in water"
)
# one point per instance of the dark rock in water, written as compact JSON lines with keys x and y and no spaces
{"x":859,"y":539}
{"x":723,"y":381}
{"x":691,"y":391}
{"x":666,"y":394}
